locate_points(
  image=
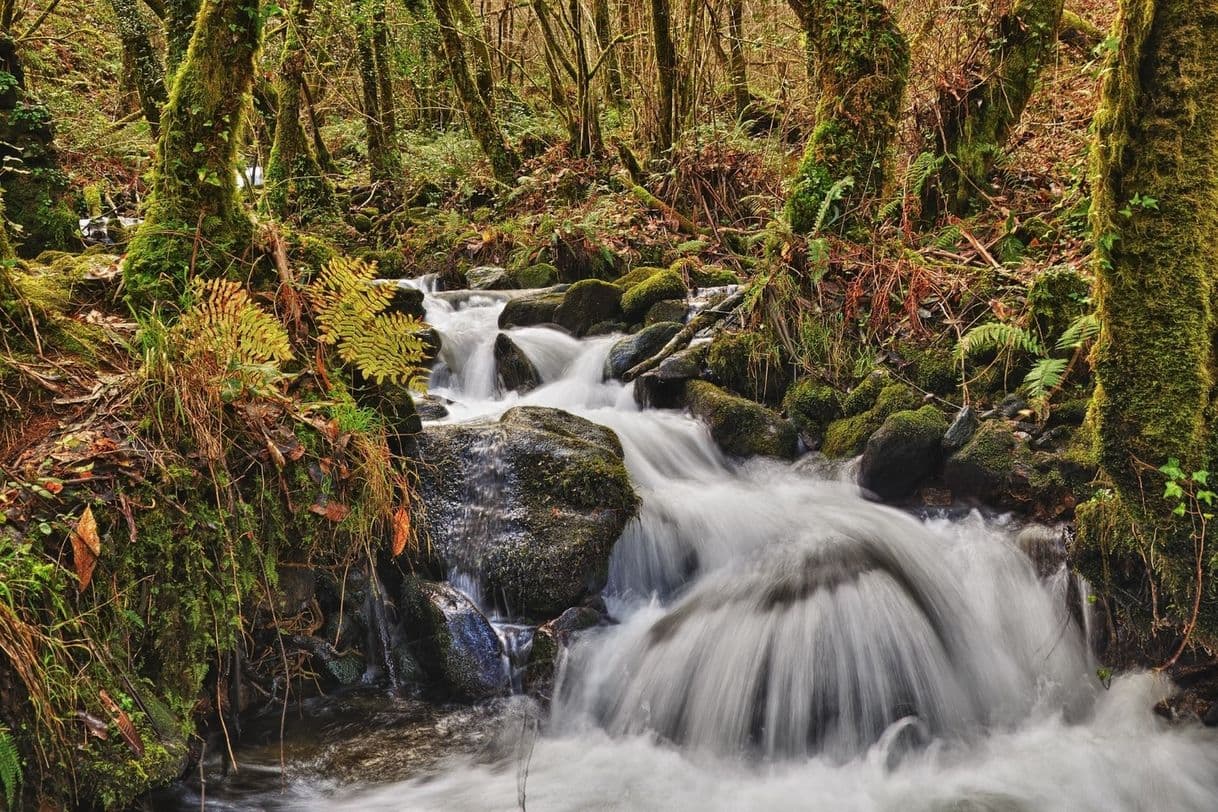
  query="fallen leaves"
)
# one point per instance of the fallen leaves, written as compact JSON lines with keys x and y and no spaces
{"x":401,"y":530}
{"x":125,"y":726}
{"x":333,"y":511}
{"x":86,"y":547}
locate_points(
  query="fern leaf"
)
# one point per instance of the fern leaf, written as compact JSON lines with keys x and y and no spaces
{"x":1000,"y":337}
{"x":1045,"y":376}
{"x":1081,"y":331}
{"x":10,"y":768}
{"x":832,"y":196}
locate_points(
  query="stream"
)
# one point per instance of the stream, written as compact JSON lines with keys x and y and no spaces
{"x":782,"y":643}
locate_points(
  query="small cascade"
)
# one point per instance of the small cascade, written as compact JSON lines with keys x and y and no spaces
{"x":380,"y":635}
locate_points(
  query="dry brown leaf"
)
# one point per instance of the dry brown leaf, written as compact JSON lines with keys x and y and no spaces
{"x":401,"y":530}
{"x":334,"y":511}
{"x":124,"y":723}
{"x":86,"y":547}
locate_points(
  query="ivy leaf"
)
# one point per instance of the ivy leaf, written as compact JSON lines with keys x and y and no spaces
{"x":1173,"y":491}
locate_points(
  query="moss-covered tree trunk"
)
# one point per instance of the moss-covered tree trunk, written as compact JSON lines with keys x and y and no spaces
{"x":35,"y":187}
{"x":667,"y":118}
{"x":603,"y":25}
{"x":195,"y":223}
{"x":294,"y":178}
{"x":145,"y":62}
{"x":737,"y":64}
{"x":384,"y":162}
{"x":479,"y":117}
{"x":858,"y":61}
{"x":180,"y":18}
{"x":1155,"y":221}
{"x":974,"y":126}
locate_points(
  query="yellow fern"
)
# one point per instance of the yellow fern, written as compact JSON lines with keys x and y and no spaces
{"x":350,"y":306}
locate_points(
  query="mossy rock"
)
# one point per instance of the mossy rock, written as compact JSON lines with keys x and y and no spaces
{"x":456,"y":644}
{"x":489,"y":277}
{"x":637,"y":348}
{"x":992,"y":466}
{"x":903,"y":452}
{"x":636,"y":275}
{"x":847,"y":437}
{"x":531,"y":309}
{"x":667,"y":310}
{"x":741,"y":427}
{"x":811,"y":406}
{"x":563,"y":497}
{"x":749,"y":363}
{"x":638,"y":299}
{"x":588,"y":303}
{"x":863,"y":397}
{"x":935,"y":369}
{"x":541,"y":275}
{"x":712,"y":276}
{"x":1057,"y":297}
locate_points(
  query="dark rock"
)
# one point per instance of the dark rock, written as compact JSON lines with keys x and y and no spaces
{"x":1053,"y":438}
{"x":457,"y":646}
{"x":488,"y":277}
{"x":990,"y":466}
{"x":667,"y":310}
{"x":741,"y":427}
{"x":559,"y":498}
{"x":1044,"y":546}
{"x":516,"y":372}
{"x":637,"y":348}
{"x":586,"y":303}
{"x":1011,"y":406}
{"x":531,"y":309}
{"x":430,"y":407}
{"x":664,"y":386}
{"x":406,"y":300}
{"x":961,"y":430}
{"x":902,"y":453}
{"x":551,"y":638}
{"x":848,"y":436}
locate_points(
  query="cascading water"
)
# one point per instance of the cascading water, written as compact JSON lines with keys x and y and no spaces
{"x":786,"y":644}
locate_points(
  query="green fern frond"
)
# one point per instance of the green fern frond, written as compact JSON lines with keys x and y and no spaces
{"x":1081,"y":331}
{"x":226,"y":323}
{"x":949,"y":237}
{"x":832,"y":196}
{"x":349,"y":307}
{"x":999,"y":337}
{"x":1045,"y":376}
{"x":923,"y":168}
{"x":10,"y":768}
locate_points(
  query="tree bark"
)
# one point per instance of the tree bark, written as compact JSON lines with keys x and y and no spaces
{"x":737,"y":63}
{"x":195,"y":223}
{"x":146,"y":64}
{"x":858,"y":61}
{"x":604,"y":40}
{"x":384,"y":162}
{"x":667,"y":117}
{"x":180,"y":18}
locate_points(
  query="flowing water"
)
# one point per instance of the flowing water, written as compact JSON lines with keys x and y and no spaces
{"x":783,"y":644}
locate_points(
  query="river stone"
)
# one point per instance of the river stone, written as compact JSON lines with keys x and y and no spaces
{"x":516,"y":372}
{"x":637,"y":348}
{"x":903,"y":453}
{"x":488,"y":277}
{"x":531,"y":309}
{"x":457,"y":645}
{"x":533,"y":502}
{"x":741,"y":427}
{"x":991,"y":467}
{"x":961,"y":430}
{"x":589,"y":303}
{"x":431,"y":407}
{"x":667,"y":310}
{"x":406,"y":300}
{"x":664,"y":386}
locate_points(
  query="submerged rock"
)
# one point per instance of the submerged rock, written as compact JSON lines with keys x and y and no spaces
{"x":741,"y":427}
{"x":903,"y":453}
{"x":636,"y":348}
{"x":516,"y":372}
{"x":457,"y":645}
{"x":534,"y":503}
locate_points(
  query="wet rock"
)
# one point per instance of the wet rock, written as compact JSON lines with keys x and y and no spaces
{"x":990,"y":467}
{"x":1054,"y":438}
{"x":533,"y":502}
{"x":637,"y":348}
{"x":741,"y":427}
{"x":586,"y":303}
{"x":406,"y":300}
{"x":431,"y":407}
{"x":902,"y":453}
{"x":488,"y":277}
{"x":516,"y":372}
{"x":637,"y":300}
{"x":456,"y":644}
{"x":667,"y":310}
{"x":961,"y":430}
{"x":664,"y":386}
{"x":339,"y":668}
{"x":848,"y":436}
{"x":1044,"y":546}
{"x":551,"y":638}
{"x":1011,"y":406}
{"x":531,"y":309}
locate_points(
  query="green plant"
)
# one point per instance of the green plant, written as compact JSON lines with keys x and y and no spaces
{"x":10,"y":768}
{"x":1191,"y":499}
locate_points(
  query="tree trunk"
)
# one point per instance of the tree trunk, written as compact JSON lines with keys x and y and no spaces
{"x":479,"y":117}
{"x":295,"y":183}
{"x":667,"y":117}
{"x":180,"y":18}
{"x":195,"y":224}
{"x":146,"y":64}
{"x":858,"y":62}
{"x":384,"y":163}
{"x":974,"y":126}
{"x":1155,"y":225}
{"x":737,"y":64}
{"x":604,"y":40}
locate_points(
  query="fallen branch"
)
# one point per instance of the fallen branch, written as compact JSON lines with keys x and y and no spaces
{"x":696,"y":325}
{"x":649,"y":200}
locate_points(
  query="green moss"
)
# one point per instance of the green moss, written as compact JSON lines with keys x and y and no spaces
{"x":636,"y":275}
{"x":935,"y":369}
{"x":848,"y":436}
{"x":1056,"y":298}
{"x":812,"y":405}
{"x":741,"y":427}
{"x":588,"y":303}
{"x":639,"y":298}
{"x":712,"y":276}
{"x":863,"y":397}
{"x":541,"y":275}
{"x":749,"y":363}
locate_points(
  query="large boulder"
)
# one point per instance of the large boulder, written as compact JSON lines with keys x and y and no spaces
{"x":903,"y":453}
{"x":532,"y":503}
{"x":634,"y":349}
{"x":741,"y":427}
{"x":515,"y":371}
{"x":489,"y":277}
{"x":587,"y":304}
{"x":457,"y":645}
{"x":531,"y":309}
{"x":656,"y":288}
